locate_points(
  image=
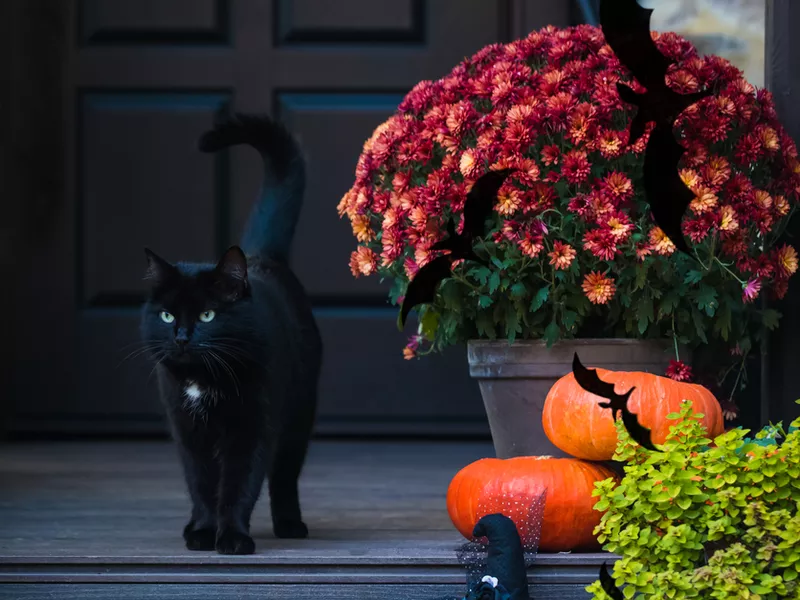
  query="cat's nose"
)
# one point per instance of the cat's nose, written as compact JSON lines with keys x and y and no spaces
{"x":181,"y":339}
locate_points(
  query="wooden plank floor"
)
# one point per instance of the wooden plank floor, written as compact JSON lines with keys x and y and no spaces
{"x":97,"y":520}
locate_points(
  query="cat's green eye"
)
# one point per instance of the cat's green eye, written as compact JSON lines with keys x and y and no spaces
{"x":167,"y":317}
{"x":207,"y":316}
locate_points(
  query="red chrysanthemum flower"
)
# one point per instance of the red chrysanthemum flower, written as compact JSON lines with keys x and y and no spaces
{"x":601,"y":243}
{"x":547,"y":107}
{"x":617,"y":186}
{"x":550,"y":155}
{"x":610,"y":143}
{"x":679,"y":371}
{"x":748,"y":150}
{"x":576,"y":166}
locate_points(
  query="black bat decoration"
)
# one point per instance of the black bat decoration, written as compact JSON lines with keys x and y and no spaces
{"x":618,"y":403}
{"x":626,"y":27}
{"x":477,"y":208}
{"x":609,"y":587}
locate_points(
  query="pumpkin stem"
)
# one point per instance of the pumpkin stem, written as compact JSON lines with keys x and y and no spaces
{"x":505,"y":559}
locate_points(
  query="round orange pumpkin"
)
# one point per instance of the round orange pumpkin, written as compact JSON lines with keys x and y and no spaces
{"x":574,"y":421}
{"x":508,"y":486}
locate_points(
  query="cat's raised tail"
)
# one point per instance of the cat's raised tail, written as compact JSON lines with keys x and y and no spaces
{"x":271,"y":226}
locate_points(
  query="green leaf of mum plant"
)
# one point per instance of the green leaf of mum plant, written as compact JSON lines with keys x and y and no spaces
{"x":709,"y":520}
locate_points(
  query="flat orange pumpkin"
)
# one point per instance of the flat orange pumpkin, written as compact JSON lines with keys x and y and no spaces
{"x":575,"y":423}
{"x":508,"y":486}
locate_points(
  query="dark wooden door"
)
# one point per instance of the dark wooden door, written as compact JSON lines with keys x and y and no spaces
{"x":143,"y":80}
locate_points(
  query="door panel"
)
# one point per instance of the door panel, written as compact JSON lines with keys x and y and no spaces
{"x":332,"y":127}
{"x":146,"y":78}
{"x":109,"y":22}
{"x":366,"y":21}
{"x":154,"y":189}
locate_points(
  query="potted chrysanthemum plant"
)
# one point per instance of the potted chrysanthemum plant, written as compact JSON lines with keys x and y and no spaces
{"x":572,"y":256}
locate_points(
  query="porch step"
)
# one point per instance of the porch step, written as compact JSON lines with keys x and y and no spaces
{"x":91,"y":521}
{"x":357,"y":572}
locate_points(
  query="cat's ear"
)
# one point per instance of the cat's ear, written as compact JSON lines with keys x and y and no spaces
{"x":232,"y":273}
{"x":158,"y":269}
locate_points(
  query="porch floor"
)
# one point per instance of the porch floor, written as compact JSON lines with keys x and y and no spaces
{"x":103,"y":519}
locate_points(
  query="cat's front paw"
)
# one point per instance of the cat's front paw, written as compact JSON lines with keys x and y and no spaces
{"x":290,"y":529}
{"x":235,"y":542}
{"x":200,"y":539}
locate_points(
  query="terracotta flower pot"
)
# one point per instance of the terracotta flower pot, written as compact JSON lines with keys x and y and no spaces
{"x":515,"y":378}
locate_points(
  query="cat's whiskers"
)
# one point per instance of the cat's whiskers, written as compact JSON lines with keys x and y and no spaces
{"x":147,"y":347}
{"x":231,"y":353}
{"x":157,"y":358}
{"x":227,"y":367}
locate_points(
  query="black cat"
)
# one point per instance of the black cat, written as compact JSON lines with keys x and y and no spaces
{"x":238,"y":356}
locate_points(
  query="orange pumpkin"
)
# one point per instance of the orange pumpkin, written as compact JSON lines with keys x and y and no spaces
{"x":508,"y":486}
{"x":574,"y":421}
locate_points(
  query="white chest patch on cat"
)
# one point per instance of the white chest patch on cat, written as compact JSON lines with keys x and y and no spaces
{"x":193,"y":392}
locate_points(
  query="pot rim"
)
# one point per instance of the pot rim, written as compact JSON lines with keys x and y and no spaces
{"x":570,"y":342}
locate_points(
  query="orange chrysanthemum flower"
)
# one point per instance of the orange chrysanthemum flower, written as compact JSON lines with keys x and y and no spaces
{"x":716,"y":171}
{"x":781,"y":206}
{"x":598,"y":288}
{"x":769,"y":139}
{"x":363,"y":261}
{"x":346,"y":203}
{"x":787,"y":260}
{"x":684,"y":81}
{"x":643,"y":251}
{"x":508,"y":201}
{"x":390,"y":218}
{"x":728,"y":222}
{"x":361,"y":228}
{"x":660,"y":243}
{"x":690,"y":179}
{"x":468,"y":165}
{"x":379,"y":130}
{"x":619,"y":185}
{"x":418,"y":218}
{"x":609,"y":144}
{"x":726,"y":106}
{"x":519,"y":113}
{"x":405,"y":200}
{"x":619,"y":228}
{"x":562,"y":255}
{"x":531,"y":245}
{"x":705,"y":201}
{"x":763,"y":199}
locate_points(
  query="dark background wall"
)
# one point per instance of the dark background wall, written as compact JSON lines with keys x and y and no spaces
{"x":102,"y":102}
